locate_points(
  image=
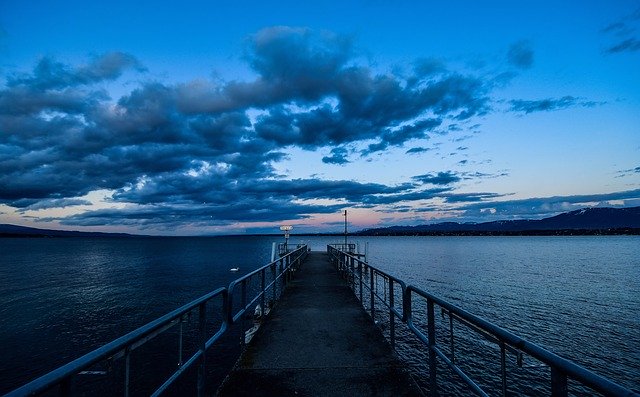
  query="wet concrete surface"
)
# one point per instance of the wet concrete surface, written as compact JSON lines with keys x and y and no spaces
{"x":318,"y":341}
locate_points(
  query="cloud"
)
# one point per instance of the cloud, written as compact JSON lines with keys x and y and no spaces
{"x":624,"y":33}
{"x":35,"y":205}
{"x":520,"y":54}
{"x":541,"y":207}
{"x":417,"y":149}
{"x":470,"y":197}
{"x":50,"y":73}
{"x":165,"y":149}
{"x":627,"y":45}
{"x":338,"y":156}
{"x":441,"y":178}
{"x":623,"y":173}
{"x":549,"y":104}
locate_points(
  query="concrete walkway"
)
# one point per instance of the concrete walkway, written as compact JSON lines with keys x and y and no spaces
{"x":318,"y":341}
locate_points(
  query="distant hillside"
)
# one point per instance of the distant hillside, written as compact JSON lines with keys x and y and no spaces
{"x":585,"y":221}
{"x":7,"y":230}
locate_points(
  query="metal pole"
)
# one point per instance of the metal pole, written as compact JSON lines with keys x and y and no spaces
{"x":202,"y":339}
{"x":372,"y":295}
{"x":392,"y":317}
{"x":345,"y":230}
{"x":431,"y":330}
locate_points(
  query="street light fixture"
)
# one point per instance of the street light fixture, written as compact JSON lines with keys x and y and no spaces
{"x":286,"y":229}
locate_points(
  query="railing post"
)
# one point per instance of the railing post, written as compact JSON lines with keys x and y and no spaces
{"x":451,"y":341}
{"x":180,"y":342}
{"x":262,"y":298}
{"x":558,"y":383}
{"x":392,"y":317}
{"x":431,"y":331}
{"x":275,"y":282}
{"x":244,"y":306}
{"x":65,"y":387}
{"x":352,"y":280}
{"x":281,"y":276}
{"x":372,"y":295}
{"x":360,"y":269}
{"x":503,"y":368}
{"x":127,"y":370}
{"x":202,"y":338}
{"x":288,"y":268}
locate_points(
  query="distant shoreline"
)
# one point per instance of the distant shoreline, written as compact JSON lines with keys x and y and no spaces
{"x":460,"y":233}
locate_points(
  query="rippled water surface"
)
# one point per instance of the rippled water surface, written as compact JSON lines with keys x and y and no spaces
{"x":577,"y":296}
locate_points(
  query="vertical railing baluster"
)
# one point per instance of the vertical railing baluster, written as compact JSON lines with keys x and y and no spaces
{"x":274,"y":281}
{"x":372,"y":297}
{"x":180,"y":343}
{"x":243,"y":301}
{"x":558,"y":383}
{"x":288,"y":268}
{"x":202,"y":339}
{"x":281,"y":276}
{"x":503,"y":368}
{"x":127,"y":367}
{"x":431,"y":331}
{"x":451,"y":340}
{"x":392,"y":317}
{"x":262,"y":298}
{"x":360,"y":270}
{"x":65,"y":387}
{"x":352,"y":279}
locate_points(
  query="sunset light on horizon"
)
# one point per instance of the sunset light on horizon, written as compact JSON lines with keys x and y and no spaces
{"x":199,"y":118}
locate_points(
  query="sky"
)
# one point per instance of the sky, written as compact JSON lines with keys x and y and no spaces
{"x":231,"y":117}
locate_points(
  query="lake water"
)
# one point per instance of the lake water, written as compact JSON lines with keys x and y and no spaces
{"x":577,"y":296}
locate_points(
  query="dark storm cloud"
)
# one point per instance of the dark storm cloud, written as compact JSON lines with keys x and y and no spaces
{"x":165,"y":149}
{"x":549,"y":104}
{"x":520,"y":54}
{"x":441,"y":178}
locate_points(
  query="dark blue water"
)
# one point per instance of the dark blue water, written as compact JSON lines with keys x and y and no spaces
{"x":577,"y":296}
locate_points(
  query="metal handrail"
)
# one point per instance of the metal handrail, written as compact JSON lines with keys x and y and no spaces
{"x":561,"y":368}
{"x":124,"y":345}
{"x":286,"y":265}
{"x":348,"y":247}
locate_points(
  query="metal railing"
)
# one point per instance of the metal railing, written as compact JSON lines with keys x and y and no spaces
{"x":279,"y":271}
{"x":348,"y":247}
{"x":360,"y":276}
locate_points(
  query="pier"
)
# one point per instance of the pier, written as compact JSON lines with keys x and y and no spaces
{"x":319,"y":341}
{"x":321,"y":336}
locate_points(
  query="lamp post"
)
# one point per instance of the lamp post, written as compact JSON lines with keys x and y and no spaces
{"x":345,"y":229}
{"x":286,"y":229}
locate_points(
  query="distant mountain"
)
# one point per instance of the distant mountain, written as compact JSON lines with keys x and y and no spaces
{"x":588,"y":221}
{"x":7,"y":230}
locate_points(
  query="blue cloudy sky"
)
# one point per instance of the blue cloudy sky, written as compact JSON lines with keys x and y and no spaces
{"x":234,"y":116}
